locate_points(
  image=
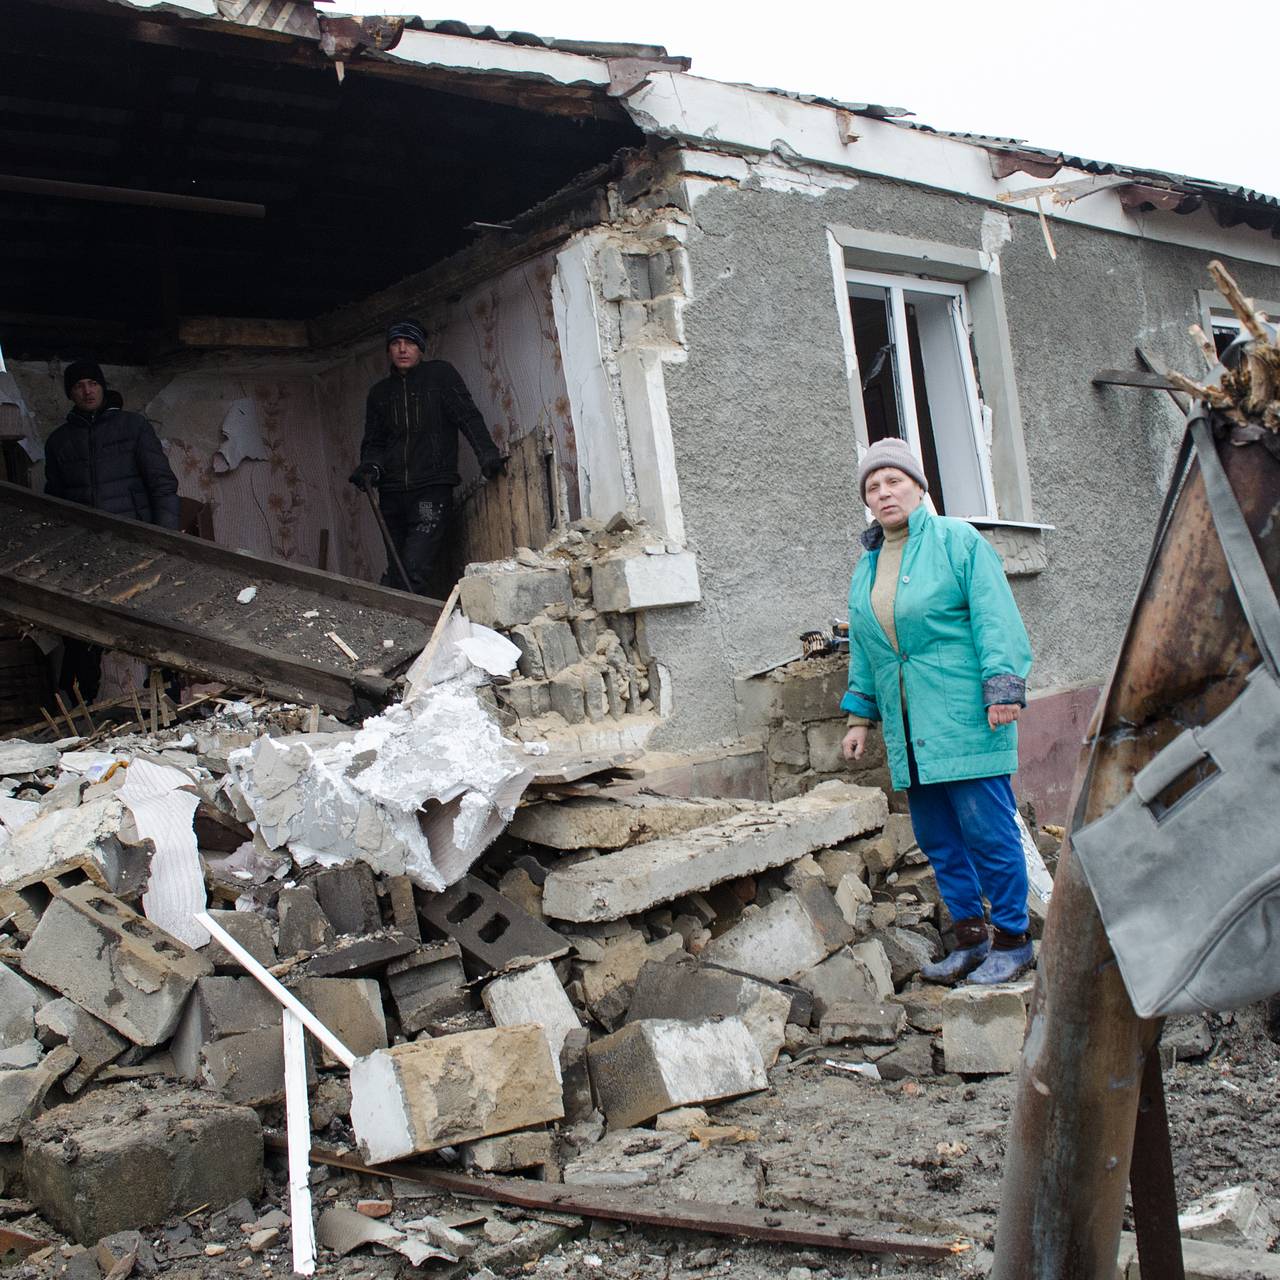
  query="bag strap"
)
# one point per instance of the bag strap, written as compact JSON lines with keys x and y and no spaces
{"x":1248,"y":573}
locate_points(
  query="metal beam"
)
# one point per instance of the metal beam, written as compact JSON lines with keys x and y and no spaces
{"x":59,"y":190}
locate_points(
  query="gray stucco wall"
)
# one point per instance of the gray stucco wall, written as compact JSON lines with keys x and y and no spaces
{"x":764,"y":435}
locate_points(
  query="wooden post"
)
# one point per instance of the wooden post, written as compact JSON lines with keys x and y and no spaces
{"x":1082,"y":1068}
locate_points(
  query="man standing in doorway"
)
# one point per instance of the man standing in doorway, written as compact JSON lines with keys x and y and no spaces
{"x":410,"y":449}
{"x":106,"y":457}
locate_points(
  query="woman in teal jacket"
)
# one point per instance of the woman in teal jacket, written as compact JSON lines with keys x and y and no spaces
{"x":939,"y":655}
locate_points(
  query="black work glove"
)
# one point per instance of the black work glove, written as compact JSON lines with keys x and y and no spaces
{"x":366,"y":475}
{"x":493,"y":466}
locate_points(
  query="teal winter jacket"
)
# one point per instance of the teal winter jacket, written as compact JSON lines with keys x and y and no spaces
{"x":962,"y":647}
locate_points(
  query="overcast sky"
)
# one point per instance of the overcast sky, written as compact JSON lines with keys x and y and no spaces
{"x":1151,"y":85}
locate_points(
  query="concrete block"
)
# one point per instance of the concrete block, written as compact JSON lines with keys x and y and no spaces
{"x":114,"y":963}
{"x":823,"y":740}
{"x":812,"y":689}
{"x":142,"y":1156}
{"x":352,"y":957}
{"x":1236,"y":1216}
{"x":575,"y":1076}
{"x":858,"y":1022}
{"x":492,"y":931}
{"x":630,"y":1158}
{"x":1203,"y":1260}
{"x":404,"y":910}
{"x":908,"y":951}
{"x":526,"y":699}
{"x":910,"y":1059}
{"x":304,"y":927}
{"x":788,"y":745}
{"x":843,"y":976}
{"x":415,"y":1098}
{"x":983,"y":1029}
{"x":595,"y":697}
{"x":220,"y":1007}
{"x":789,"y":936}
{"x":95,"y":1044}
{"x":533,"y":996}
{"x":844,"y":860}
{"x":608,"y":983}
{"x":22,"y":1055}
{"x":684,"y":990}
{"x":23,"y":1089}
{"x":512,"y":1152}
{"x":924,"y":1007}
{"x":565,"y":688}
{"x":556,"y":643}
{"x":428,"y":985}
{"x":503,"y":597}
{"x":19,"y":1000}
{"x":529,"y":663}
{"x":349,"y":898}
{"x":872,"y":955}
{"x":625,"y":583}
{"x":18,"y":757}
{"x":654,"y":1065}
{"x":247,"y":1068}
{"x":919,"y":881}
{"x":879,"y":855}
{"x":899,"y":829}
{"x":634,"y":880}
{"x":852,"y":894}
{"x":251,"y":931}
{"x":351,"y":1008}
{"x":590,"y":822}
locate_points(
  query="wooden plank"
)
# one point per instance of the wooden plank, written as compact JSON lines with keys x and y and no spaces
{"x":239,"y":331}
{"x":1131,"y":378}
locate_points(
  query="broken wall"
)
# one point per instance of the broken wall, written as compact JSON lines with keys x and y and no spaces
{"x":764,"y":437}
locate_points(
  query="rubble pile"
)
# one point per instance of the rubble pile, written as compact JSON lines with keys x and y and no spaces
{"x":531,"y":1001}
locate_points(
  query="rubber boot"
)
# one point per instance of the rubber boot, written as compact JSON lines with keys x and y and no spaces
{"x":1004,"y":964}
{"x":962,"y":961}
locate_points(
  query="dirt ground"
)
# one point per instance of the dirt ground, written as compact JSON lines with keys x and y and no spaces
{"x":920,"y":1156}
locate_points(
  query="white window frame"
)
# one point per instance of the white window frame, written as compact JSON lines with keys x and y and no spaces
{"x":897,"y":287}
{"x":1216,"y":312}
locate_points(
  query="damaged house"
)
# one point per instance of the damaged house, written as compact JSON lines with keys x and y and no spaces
{"x":571,"y":848}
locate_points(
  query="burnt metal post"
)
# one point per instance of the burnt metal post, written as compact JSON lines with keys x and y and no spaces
{"x":1072,"y":1135}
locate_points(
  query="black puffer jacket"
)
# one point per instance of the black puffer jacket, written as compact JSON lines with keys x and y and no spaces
{"x":411,"y":426}
{"x":112,"y":460}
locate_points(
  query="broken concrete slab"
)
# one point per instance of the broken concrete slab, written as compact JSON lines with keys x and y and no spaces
{"x":19,"y":758}
{"x":501,"y":595}
{"x":114,"y":963}
{"x":910,"y":1059}
{"x":860,"y":1022}
{"x":653,"y":1065}
{"x":142,"y":1155}
{"x":64,"y":1022}
{"x":908,"y":951}
{"x":533,"y":996}
{"x":635,"y":880}
{"x":1203,"y":1260}
{"x":845,"y":975}
{"x":786,"y":938}
{"x":682,"y":989}
{"x":415,"y":1098}
{"x":492,"y":931}
{"x":923,"y":1005}
{"x":19,"y":1000}
{"x":630,"y":1158}
{"x":1236,"y":1216}
{"x":512,"y":1152}
{"x":23,"y":1089}
{"x":983,"y":1029}
{"x":427,"y":985}
{"x":596,"y":823}
{"x":852,"y":894}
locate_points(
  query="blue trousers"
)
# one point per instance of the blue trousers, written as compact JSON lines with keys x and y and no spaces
{"x":969,"y":832}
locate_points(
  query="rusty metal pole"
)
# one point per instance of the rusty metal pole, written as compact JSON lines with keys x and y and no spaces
{"x":1071,"y":1138}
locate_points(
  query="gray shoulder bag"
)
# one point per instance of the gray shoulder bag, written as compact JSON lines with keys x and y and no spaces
{"x":1189,"y":890}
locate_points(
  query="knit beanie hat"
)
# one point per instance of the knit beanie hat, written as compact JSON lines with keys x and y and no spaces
{"x":890,"y":452}
{"x":80,"y":369}
{"x":411,"y":330}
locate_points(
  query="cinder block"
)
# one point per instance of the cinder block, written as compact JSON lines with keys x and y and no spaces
{"x":23,"y":1089}
{"x":349,"y":898}
{"x":414,"y":1098}
{"x":634,"y":880}
{"x":654,"y":1065}
{"x":404,"y":910}
{"x":63,"y":1022}
{"x":505,"y":597}
{"x":625,"y":583}
{"x":789,"y":936}
{"x":114,"y":963}
{"x":247,"y":1068}
{"x":858,"y":1022}
{"x":843,"y":976}
{"x":983,"y":1029}
{"x":251,"y":931}
{"x":179,"y":1150}
{"x":304,"y":927}
{"x":492,"y":931}
{"x":351,"y":1008}
{"x":220,"y":1007}
{"x":428,"y":985}
{"x":533,"y":996}
{"x":684,"y":990}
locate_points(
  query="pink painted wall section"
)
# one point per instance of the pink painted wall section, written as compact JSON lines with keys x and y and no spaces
{"x":1049,"y":736}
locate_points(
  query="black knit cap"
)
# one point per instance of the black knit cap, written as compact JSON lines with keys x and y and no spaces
{"x":410,"y":329}
{"x":79,"y":369}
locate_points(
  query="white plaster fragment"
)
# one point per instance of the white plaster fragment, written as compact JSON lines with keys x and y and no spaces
{"x":241,"y":436}
{"x":997,"y":231}
{"x":246,"y":596}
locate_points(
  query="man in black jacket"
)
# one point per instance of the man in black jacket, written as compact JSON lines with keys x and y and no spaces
{"x":105,"y":457}
{"x":410,"y":449}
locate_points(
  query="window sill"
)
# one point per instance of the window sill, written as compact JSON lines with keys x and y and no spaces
{"x":1021,"y":544}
